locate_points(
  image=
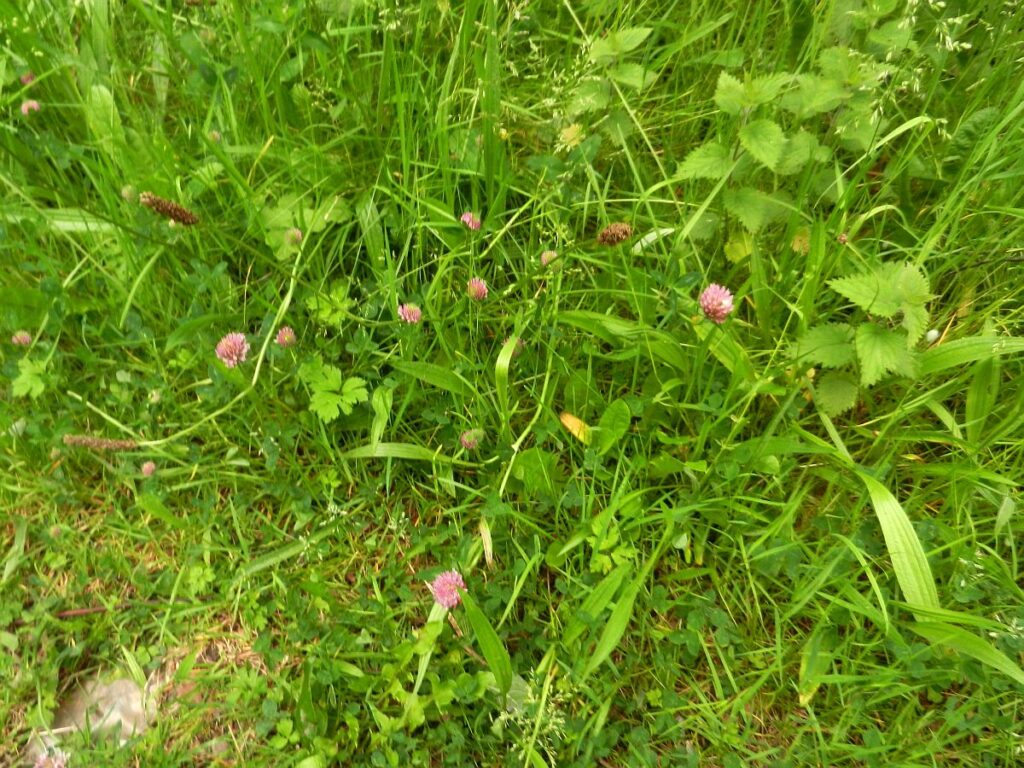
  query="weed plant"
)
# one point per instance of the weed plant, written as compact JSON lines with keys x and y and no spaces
{"x":687,"y":334}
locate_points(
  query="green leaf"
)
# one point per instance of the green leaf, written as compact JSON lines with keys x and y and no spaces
{"x":615,"y":44}
{"x":971,"y":349}
{"x":874,"y":292}
{"x":882,"y":351}
{"x":595,"y":603}
{"x":395,"y":451}
{"x":491,"y":647}
{"x":836,"y":392}
{"x":326,"y":404}
{"x":729,"y":94}
{"x":437,"y":376}
{"x":632,"y":75}
{"x":765,"y":142}
{"x":830,"y":345}
{"x":766,"y":88}
{"x":29,"y":381}
{"x":353,"y":392}
{"x":708,"y":161}
{"x":801,"y":149}
{"x":813,"y":95}
{"x":908,"y":559}
{"x":104,"y":122}
{"x":614,"y":629}
{"x":752,"y":207}
{"x":613,"y":425}
{"x":815,"y":661}
{"x":968,"y":644}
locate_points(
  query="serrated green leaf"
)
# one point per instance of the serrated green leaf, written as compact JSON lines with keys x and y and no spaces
{"x":813,"y":95}
{"x":829,"y":345}
{"x":752,"y":207}
{"x":881,"y":351}
{"x":765,"y":142}
{"x":29,"y":381}
{"x":353,"y":392}
{"x":632,"y":75}
{"x":326,"y":405}
{"x":766,"y":88}
{"x":615,"y":44}
{"x":739,"y":246}
{"x":836,"y":392}
{"x":874,"y":292}
{"x":801,"y":149}
{"x":491,"y":647}
{"x":729,"y":95}
{"x":908,"y":559}
{"x":708,"y":161}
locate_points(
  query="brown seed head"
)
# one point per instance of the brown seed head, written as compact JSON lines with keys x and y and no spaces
{"x":615,"y":233}
{"x":168,"y":209}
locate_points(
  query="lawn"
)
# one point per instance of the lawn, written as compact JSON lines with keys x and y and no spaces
{"x":599,"y":383}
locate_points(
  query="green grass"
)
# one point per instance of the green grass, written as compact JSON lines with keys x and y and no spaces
{"x":734,"y":568}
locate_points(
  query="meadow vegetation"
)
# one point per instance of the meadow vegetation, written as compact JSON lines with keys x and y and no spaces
{"x":307,"y":305}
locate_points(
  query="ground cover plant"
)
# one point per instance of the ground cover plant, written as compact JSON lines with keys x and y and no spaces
{"x":526,"y":383}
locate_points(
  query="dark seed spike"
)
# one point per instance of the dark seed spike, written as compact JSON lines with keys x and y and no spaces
{"x":168,"y":209}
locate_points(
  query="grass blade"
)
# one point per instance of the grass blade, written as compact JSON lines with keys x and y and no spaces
{"x":491,"y":647}
{"x":908,"y":559}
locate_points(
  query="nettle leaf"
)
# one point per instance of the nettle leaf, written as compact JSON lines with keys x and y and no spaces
{"x":836,"y":392}
{"x":890,"y":289}
{"x":614,"y":44}
{"x":765,"y":142}
{"x":802,"y":148}
{"x":813,"y":95}
{"x":632,"y":75}
{"x":753,"y":207}
{"x":873,"y":292}
{"x":829,"y":345}
{"x":729,"y":94}
{"x":708,"y":161}
{"x":881,"y":351}
{"x":733,"y":96}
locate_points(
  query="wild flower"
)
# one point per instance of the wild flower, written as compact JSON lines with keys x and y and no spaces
{"x":27,"y":77}
{"x":29,"y":105}
{"x":286,"y":336}
{"x":615,"y":233}
{"x":21,"y":339}
{"x":293,"y":236}
{"x":716,"y":303}
{"x":233,"y":349}
{"x":148,"y":468}
{"x":52,"y":758}
{"x":547,"y":257}
{"x":843,"y":238}
{"x":471,"y":438}
{"x":470,"y":220}
{"x":476,"y":289}
{"x":410,"y":313}
{"x":932,"y":336}
{"x":445,"y":588}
